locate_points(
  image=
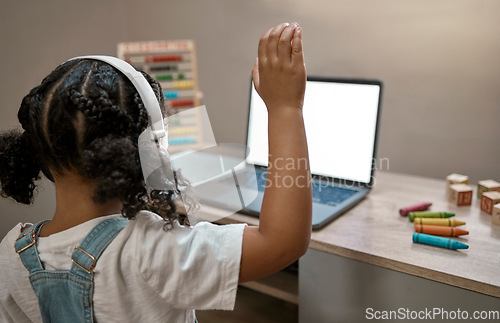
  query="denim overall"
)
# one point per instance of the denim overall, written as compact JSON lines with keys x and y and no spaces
{"x":66,"y":296}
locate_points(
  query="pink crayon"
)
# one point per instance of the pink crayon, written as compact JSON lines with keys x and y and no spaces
{"x":417,"y":207}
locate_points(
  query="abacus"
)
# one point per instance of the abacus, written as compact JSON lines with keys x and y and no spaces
{"x":173,"y":64}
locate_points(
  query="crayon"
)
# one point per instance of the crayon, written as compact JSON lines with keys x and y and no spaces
{"x":438,"y":241}
{"x":443,"y":222}
{"x":426,"y":214}
{"x":417,"y":207}
{"x":440,"y":230}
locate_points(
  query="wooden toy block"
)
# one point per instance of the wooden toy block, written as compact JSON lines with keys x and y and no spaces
{"x":488,"y":200}
{"x":495,"y":217}
{"x":487,"y":186}
{"x":455,"y":179}
{"x":461,"y":194}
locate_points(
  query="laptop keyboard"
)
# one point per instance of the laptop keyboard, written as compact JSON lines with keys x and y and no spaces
{"x":329,"y":195}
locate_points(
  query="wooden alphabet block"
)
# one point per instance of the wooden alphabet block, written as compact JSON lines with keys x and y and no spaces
{"x":488,"y":200}
{"x":455,"y":179}
{"x":495,"y":217}
{"x":487,"y":186}
{"x":461,"y":194}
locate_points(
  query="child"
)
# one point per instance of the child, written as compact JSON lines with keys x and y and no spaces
{"x":81,"y":127}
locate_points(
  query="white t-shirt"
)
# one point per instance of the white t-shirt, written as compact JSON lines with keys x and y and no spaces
{"x":146,"y":274}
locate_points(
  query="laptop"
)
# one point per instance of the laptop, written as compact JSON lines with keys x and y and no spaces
{"x":341,"y":119}
{"x":341,"y":122}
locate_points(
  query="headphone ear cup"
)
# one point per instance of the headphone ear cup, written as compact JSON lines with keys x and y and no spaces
{"x":155,"y":162}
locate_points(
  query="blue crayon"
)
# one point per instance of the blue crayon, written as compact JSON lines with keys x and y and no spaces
{"x":438,"y":241}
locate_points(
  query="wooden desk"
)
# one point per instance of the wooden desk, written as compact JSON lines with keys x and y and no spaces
{"x":374,"y":233}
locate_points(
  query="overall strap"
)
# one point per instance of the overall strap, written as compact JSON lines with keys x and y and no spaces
{"x":25,"y":246}
{"x":86,"y":255}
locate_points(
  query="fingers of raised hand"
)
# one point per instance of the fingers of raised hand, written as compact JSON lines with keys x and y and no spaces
{"x":285,"y":43}
{"x":262,"y":50}
{"x":297,"y":54}
{"x":274,"y":40}
{"x":255,"y":74}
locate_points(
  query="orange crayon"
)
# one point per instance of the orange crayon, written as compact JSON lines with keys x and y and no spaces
{"x":440,"y":230}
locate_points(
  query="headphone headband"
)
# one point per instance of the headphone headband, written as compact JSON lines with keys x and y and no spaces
{"x":143,"y":88}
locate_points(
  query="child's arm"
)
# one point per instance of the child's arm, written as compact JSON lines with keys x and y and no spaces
{"x":285,"y":221}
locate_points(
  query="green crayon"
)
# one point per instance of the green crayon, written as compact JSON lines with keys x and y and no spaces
{"x":427,"y":214}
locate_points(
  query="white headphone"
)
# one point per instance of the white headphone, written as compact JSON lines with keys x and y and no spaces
{"x":142,"y":86}
{"x":155,"y":162}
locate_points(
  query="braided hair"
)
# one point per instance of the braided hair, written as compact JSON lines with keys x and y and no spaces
{"x":85,"y":117}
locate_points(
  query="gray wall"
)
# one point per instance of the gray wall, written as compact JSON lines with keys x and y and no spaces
{"x":439,"y":61}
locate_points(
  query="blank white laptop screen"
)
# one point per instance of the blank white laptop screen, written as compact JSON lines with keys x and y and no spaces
{"x":340,"y":122}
